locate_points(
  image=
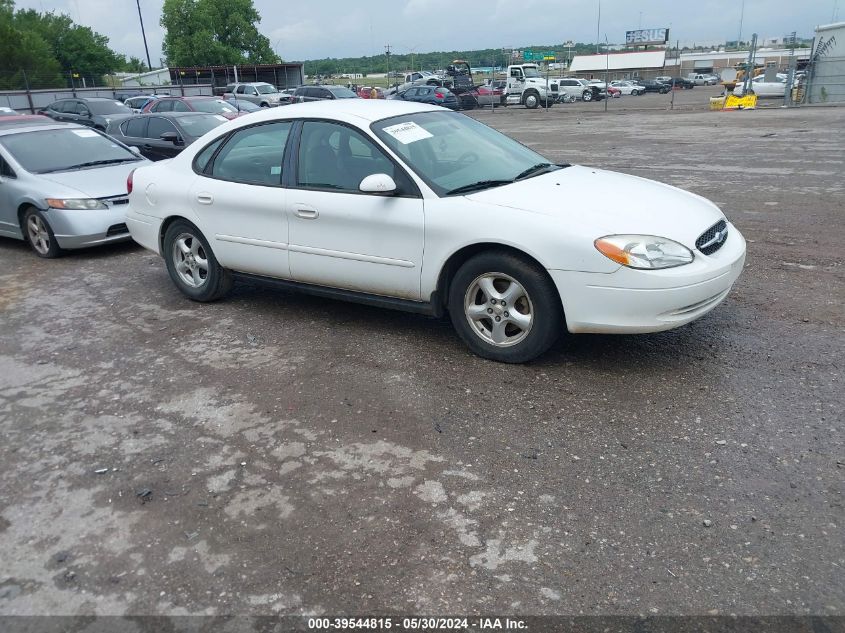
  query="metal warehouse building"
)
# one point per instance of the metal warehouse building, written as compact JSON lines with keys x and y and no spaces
{"x":826,"y":70}
{"x":640,"y":64}
{"x":714,"y":62}
{"x":280,"y":75}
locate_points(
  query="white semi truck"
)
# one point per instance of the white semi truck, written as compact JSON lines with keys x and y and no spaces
{"x":526,"y":86}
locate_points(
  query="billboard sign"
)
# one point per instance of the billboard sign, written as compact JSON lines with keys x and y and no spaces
{"x":642,"y":37}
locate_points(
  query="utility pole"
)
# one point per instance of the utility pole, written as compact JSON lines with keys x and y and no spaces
{"x":598,"y":28}
{"x":144,"y":34}
{"x":387,"y":55}
{"x":741,"y":16}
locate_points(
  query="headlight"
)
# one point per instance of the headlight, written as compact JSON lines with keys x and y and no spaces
{"x":644,"y":251}
{"x":76,"y":204}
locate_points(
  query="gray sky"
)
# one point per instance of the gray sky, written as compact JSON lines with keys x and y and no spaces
{"x":350,"y":28}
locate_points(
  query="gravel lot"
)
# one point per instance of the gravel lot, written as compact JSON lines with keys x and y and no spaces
{"x":278,"y":453}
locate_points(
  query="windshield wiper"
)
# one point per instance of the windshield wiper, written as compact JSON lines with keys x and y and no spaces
{"x":478,"y":186}
{"x":533,"y":171}
{"x":94,"y":163}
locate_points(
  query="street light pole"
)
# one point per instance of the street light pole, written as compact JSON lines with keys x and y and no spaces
{"x":144,"y":34}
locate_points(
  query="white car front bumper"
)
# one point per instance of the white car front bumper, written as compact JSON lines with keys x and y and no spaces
{"x":630,"y":301}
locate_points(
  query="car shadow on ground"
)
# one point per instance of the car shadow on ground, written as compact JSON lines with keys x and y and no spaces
{"x":659,"y":352}
{"x":81,"y":255}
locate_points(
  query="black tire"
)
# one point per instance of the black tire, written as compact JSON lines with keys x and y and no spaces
{"x":531,"y":99}
{"x":217,"y":281}
{"x":635,"y":92}
{"x":587,"y":95}
{"x":43,"y":241}
{"x":541,"y":300}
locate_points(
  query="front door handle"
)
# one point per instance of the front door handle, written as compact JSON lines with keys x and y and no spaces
{"x":205,"y":198}
{"x":305,"y":212}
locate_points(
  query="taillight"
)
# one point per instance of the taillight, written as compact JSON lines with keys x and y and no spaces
{"x":129,"y":181}
{"x":439,"y":95}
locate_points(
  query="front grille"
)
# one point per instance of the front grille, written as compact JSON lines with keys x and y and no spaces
{"x":713,"y":238}
{"x":117,"y":229}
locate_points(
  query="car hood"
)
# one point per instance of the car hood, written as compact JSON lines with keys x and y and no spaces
{"x":609,"y":203}
{"x":99,"y":182}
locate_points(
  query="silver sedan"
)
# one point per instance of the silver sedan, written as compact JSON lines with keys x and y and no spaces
{"x":62,"y":186}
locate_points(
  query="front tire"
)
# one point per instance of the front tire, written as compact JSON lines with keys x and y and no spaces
{"x":504,"y":307}
{"x":39,"y":234}
{"x":192,"y":265}
{"x":531,"y":100}
{"x":588,"y":95}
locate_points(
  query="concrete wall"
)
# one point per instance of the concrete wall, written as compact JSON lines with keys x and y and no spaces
{"x":30,"y":102}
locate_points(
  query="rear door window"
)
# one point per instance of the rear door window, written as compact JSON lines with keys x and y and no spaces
{"x":253,"y":155}
{"x":134,"y":127}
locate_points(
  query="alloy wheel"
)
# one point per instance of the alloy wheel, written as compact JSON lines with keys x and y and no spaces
{"x":38,"y":234}
{"x":190,"y":260}
{"x":498,"y":309}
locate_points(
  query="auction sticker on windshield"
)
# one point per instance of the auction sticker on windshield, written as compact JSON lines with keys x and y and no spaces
{"x":85,"y":133}
{"x":408,"y":132}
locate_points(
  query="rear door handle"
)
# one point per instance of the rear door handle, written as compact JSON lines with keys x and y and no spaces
{"x":305,"y":212}
{"x":205,"y":198}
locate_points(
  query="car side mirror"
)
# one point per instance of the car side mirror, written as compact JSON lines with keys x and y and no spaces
{"x":173,"y":137}
{"x":378,"y":184}
{"x":85,"y":113}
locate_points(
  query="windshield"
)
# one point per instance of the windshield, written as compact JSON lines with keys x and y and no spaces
{"x":214,"y":106}
{"x":199,"y":124}
{"x":342,"y":93}
{"x":531,"y":72}
{"x":58,"y":150}
{"x":108,"y":107}
{"x":266,"y":89}
{"x":452,"y":151}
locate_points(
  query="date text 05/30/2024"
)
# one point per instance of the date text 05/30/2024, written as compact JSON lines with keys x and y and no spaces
{"x":416,"y":624}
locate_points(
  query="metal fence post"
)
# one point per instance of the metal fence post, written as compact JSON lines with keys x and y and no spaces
{"x":28,"y":92}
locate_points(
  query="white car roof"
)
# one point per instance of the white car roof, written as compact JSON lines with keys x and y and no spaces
{"x":343,"y":109}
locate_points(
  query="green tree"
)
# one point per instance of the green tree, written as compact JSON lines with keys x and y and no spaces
{"x":77,"y":48}
{"x":212,"y":32}
{"x":134,"y":65}
{"x":26,"y":60}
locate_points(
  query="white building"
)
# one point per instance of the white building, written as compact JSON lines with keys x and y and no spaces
{"x":159,"y":77}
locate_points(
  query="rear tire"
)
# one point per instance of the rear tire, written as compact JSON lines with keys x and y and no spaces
{"x":504,"y":307}
{"x":192,"y":265}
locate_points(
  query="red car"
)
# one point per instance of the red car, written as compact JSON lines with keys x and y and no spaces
{"x":210,"y":105}
{"x":613,"y":91}
{"x":366,"y":92}
{"x":485,"y":95}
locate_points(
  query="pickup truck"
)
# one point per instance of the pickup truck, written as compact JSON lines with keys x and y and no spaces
{"x":260,"y":93}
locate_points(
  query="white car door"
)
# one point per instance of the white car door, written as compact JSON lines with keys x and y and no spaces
{"x":240,"y":200}
{"x":341,"y":237}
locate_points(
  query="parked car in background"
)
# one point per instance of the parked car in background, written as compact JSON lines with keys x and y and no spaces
{"x":580,"y":89}
{"x":137,"y":103}
{"x":703,"y":79}
{"x":242,"y":106}
{"x":4,"y":111}
{"x":209,"y":105}
{"x":366,"y":92}
{"x":651,"y":85}
{"x":164,"y":135}
{"x":260,"y":93}
{"x":762,"y":88}
{"x":627,"y":87}
{"x":62,"y":186}
{"x":322,"y":93}
{"x":681,"y":83}
{"x":664,"y":79}
{"x":487,"y":95}
{"x":433,"y":95}
{"x":412,"y":206}
{"x":95,"y":112}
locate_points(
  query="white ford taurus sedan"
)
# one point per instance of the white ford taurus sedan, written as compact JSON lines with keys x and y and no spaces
{"x":415,"y":207}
